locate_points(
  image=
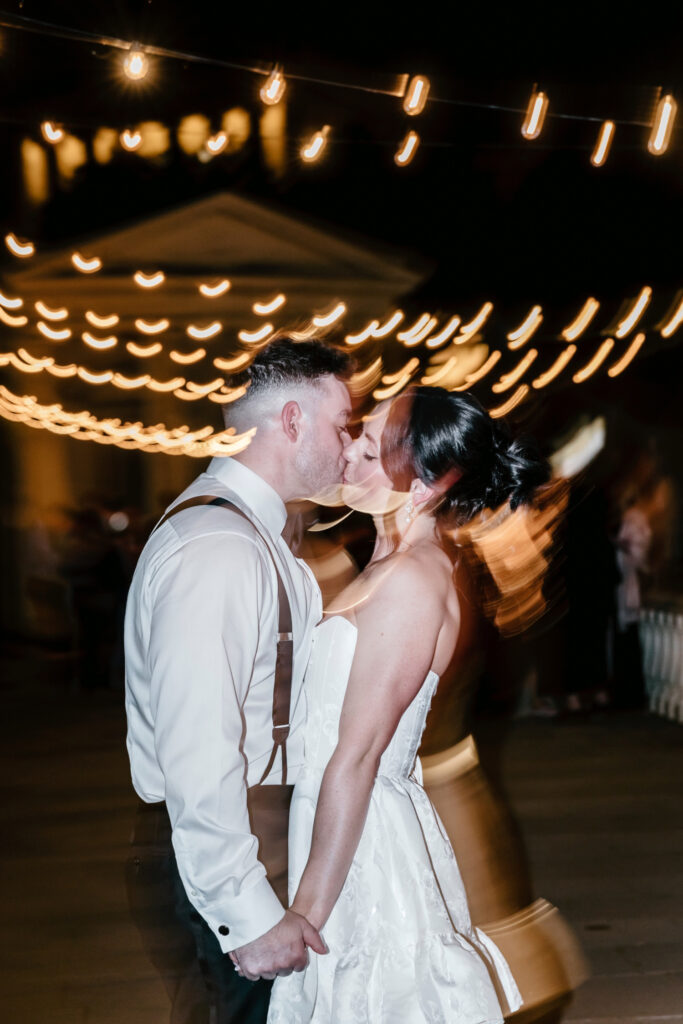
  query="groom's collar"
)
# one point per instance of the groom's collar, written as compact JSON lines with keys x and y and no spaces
{"x":257,"y":495}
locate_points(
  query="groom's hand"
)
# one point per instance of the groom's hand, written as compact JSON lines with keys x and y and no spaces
{"x":281,"y":950}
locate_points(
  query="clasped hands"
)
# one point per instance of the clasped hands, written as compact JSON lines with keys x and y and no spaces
{"x":280,"y":951}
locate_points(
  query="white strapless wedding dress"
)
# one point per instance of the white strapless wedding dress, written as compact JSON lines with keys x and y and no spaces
{"x":402,"y":947}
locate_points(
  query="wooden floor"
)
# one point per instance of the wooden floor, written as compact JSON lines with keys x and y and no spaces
{"x":599,"y":801}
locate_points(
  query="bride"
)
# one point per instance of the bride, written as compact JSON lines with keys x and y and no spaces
{"x":370,"y":863}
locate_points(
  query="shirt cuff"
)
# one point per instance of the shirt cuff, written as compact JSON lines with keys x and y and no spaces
{"x":244,"y":918}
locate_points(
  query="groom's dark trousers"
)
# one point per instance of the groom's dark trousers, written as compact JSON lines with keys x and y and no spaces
{"x":200,"y":979}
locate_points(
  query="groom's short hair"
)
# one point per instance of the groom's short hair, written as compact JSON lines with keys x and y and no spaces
{"x":285,"y":363}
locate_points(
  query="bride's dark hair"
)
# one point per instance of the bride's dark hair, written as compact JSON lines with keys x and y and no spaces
{"x":446,"y":438}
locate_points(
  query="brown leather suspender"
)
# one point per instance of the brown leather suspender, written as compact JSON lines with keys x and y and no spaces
{"x":282,"y":689}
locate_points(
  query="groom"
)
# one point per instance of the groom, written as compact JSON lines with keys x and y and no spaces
{"x":213,"y":679}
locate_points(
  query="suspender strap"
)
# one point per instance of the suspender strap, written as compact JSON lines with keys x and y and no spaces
{"x":282,"y":689}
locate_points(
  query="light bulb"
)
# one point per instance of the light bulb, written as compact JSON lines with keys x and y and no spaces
{"x":51,"y":132}
{"x":274,"y":88}
{"x":135,"y":63}
{"x":407,"y":149}
{"x":602,"y":146}
{"x":416,"y":95}
{"x":535,"y":115}
{"x":314,"y":147}
{"x":662,"y":125}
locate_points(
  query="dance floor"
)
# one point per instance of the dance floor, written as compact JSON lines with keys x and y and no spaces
{"x":599,"y":801}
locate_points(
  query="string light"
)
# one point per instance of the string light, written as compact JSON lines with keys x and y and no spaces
{"x":556,"y":369}
{"x":382,"y":330}
{"x":265,"y":308}
{"x":144,"y":351}
{"x":363,"y":381}
{"x":591,"y":366}
{"x":416,"y":95}
{"x":10,"y":303}
{"x":582,"y":320}
{"x":214,"y":291}
{"x":514,"y":400}
{"x":129,"y":383}
{"x":316,"y":144}
{"x":229,"y":396}
{"x":230,"y":365}
{"x":382,"y":394}
{"x":634,"y":314}
{"x":202,"y":333}
{"x":531,"y":323}
{"x":535,"y":115}
{"x":327,"y":319}
{"x":418,"y":332}
{"x":274,"y":88}
{"x":52,"y":333}
{"x":469,"y":330}
{"x":86,"y":266}
{"x":662,"y":126}
{"x":99,"y":343}
{"x":149,"y":280}
{"x":627,"y":357}
{"x":130,"y":140}
{"x":135,"y":63}
{"x":188,"y":358}
{"x":51,"y":132}
{"x":105,"y":377}
{"x":50,"y":314}
{"x":18,"y":248}
{"x":407,"y":149}
{"x":101,"y":322}
{"x":477,"y":375}
{"x":511,"y":378}
{"x":166,"y":385}
{"x":408,"y":368}
{"x":251,"y":337}
{"x":440,"y":373}
{"x":367,"y":332}
{"x":603,"y":144}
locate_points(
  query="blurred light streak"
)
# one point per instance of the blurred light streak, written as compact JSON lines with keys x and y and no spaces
{"x":634,"y":314}
{"x":531,"y":323}
{"x":315,"y":146}
{"x":217,"y":143}
{"x":407,"y":149}
{"x":130,"y":383}
{"x":382,"y":330}
{"x":628,"y":355}
{"x":603,"y":144}
{"x":166,"y":385}
{"x":99,"y":343}
{"x":152,"y":326}
{"x":230,"y":365}
{"x":86,"y":266}
{"x":514,"y":400}
{"x":662,"y":126}
{"x":367,"y":332}
{"x":407,"y":368}
{"x":12,"y":321}
{"x":477,"y":375}
{"x":135,"y":63}
{"x":674,"y":321}
{"x":420,"y":329}
{"x":444,"y":334}
{"x":186,"y":396}
{"x":326,"y":319}
{"x":595,"y":362}
{"x":274,"y":88}
{"x":251,"y":337}
{"x":214,"y":291}
{"x":205,"y":389}
{"x":582,"y":320}
{"x":509,"y":379}
{"x":149,"y":280}
{"x":11,"y":303}
{"x":264,"y":308}
{"x":437,"y":375}
{"x":69,"y":370}
{"x":95,"y":378}
{"x":52,"y":333}
{"x":18,"y":248}
{"x":230,"y":396}
{"x":535,"y":115}
{"x":363,"y":381}
{"x":50,"y":314}
{"x":580,"y":449}
{"x":188,"y":358}
{"x":130,"y":140}
{"x":468,"y":331}
{"x":144,"y":351}
{"x":556,"y":369}
{"x":101,"y":322}
{"x":416,"y":95}
{"x":381,"y":394}
{"x":202,"y":333}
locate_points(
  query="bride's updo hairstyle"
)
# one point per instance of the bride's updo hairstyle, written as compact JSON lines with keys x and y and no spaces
{"x":449,"y":440}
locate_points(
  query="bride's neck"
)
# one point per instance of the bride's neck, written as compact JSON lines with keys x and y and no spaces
{"x":394,"y":534}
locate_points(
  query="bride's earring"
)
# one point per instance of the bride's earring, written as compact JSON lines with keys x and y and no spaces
{"x":409,"y":510}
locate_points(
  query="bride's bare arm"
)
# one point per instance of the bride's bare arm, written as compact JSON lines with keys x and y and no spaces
{"x":397,"y":635}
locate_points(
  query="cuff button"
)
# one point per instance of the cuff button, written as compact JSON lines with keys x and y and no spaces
{"x":223,"y":930}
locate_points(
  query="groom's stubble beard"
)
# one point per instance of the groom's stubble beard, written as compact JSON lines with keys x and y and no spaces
{"x":317,"y":468}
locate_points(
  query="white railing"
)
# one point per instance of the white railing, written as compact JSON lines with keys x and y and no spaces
{"x":661,"y":638}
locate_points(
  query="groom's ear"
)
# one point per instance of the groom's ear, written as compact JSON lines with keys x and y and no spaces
{"x":291,"y":417}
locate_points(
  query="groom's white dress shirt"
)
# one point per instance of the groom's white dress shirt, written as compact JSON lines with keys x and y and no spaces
{"x":200,"y":638}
